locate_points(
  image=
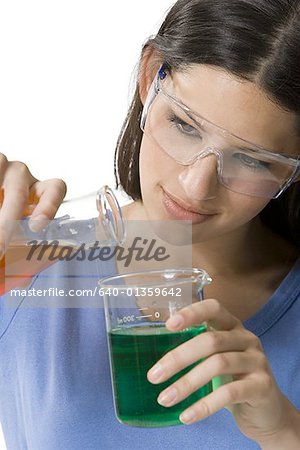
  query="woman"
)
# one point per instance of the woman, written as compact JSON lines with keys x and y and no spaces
{"x":218,"y":102}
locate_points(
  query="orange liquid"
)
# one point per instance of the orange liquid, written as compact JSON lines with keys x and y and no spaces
{"x":15,"y":259}
{"x":17,"y":272}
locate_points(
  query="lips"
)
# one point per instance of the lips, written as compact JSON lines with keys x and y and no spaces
{"x":181,"y":210}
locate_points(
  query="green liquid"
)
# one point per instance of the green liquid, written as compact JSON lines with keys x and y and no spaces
{"x":134,"y":350}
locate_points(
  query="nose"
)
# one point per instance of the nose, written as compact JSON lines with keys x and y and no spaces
{"x":200,"y":180}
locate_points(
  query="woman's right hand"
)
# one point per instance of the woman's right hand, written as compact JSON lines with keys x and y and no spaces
{"x":22,"y":194}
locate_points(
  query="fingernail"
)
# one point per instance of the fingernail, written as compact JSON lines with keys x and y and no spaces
{"x":156,"y":372}
{"x":187,"y":416}
{"x":175,"y":321}
{"x":167,"y":397}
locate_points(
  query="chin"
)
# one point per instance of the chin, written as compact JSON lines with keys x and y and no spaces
{"x":173,"y":232}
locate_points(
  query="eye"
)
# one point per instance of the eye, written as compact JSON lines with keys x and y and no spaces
{"x":183,"y":127}
{"x":251,"y":163}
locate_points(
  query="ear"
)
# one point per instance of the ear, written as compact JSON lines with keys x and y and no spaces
{"x":150,"y":62}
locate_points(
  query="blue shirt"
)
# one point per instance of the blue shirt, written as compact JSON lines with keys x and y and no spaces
{"x":55,"y":387}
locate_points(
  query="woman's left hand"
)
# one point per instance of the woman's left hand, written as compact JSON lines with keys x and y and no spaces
{"x":259,"y":408}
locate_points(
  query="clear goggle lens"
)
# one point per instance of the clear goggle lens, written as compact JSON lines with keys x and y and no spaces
{"x":241,"y":167}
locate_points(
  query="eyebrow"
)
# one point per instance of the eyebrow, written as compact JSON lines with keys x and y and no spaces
{"x":199,"y":125}
{"x":265,"y":152}
{"x":189,"y":113}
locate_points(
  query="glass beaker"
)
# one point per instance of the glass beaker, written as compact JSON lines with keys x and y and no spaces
{"x":137,"y":306}
{"x":95,"y":218}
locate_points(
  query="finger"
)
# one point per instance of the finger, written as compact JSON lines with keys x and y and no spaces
{"x":204,"y":311}
{"x":228,"y":394}
{"x":14,"y":202}
{"x":231,"y":363}
{"x":48,"y":195}
{"x":197,"y":348}
{"x":3,"y":167}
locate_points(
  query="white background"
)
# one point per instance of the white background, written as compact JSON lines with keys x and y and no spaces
{"x":66,"y":73}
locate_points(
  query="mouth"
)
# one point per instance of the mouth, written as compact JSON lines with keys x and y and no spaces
{"x":180,"y":210}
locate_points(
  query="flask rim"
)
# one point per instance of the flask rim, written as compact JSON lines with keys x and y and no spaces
{"x":110,"y":214}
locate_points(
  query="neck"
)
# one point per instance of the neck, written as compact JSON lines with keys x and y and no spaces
{"x":252,"y":247}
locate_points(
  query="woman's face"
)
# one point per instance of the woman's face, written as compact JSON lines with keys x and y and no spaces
{"x":241,"y":108}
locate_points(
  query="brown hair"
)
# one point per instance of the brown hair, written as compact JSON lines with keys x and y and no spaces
{"x":256,"y":40}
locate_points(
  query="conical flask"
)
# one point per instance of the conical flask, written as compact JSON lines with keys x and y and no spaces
{"x":93,"y":219}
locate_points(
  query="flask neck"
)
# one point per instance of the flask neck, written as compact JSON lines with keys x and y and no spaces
{"x":110,"y":214}
{"x":96,"y":217}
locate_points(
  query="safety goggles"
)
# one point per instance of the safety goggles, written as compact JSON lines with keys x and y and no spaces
{"x":186,"y":136}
